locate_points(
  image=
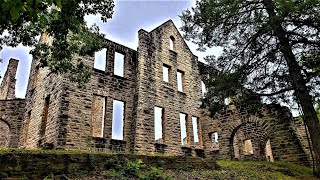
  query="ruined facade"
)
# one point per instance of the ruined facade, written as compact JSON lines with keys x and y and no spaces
{"x":151,"y":106}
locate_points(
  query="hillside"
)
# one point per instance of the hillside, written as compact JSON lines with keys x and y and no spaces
{"x":40,"y":164}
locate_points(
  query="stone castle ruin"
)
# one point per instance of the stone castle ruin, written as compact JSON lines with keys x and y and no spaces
{"x":152,"y":105}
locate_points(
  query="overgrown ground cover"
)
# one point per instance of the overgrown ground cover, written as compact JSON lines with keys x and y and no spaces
{"x":56,"y":164}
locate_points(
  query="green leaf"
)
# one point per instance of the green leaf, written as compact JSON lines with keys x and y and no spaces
{"x":14,"y":13}
{"x":58,"y":3}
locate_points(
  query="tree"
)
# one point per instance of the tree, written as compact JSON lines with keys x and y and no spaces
{"x":271,"y":47}
{"x":23,"y":21}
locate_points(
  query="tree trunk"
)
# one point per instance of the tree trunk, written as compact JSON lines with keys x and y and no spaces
{"x":298,"y":83}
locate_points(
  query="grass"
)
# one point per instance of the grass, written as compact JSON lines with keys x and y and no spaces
{"x":225,"y":169}
{"x":251,"y":170}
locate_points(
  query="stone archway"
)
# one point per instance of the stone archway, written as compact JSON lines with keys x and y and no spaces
{"x":249,"y":142}
{"x":4,"y":134}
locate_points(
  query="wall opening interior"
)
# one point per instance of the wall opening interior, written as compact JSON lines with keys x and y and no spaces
{"x":35,"y":76}
{"x":215,"y":137}
{"x":171,"y":43}
{"x":158,"y":125}
{"x":166,"y":73}
{"x":247,"y":147}
{"x":236,"y":149}
{"x":26,"y":128}
{"x":4,"y":134}
{"x":183,"y":128}
{"x":248,"y":141}
{"x":180,"y":77}
{"x":268,"y":152}
{"x":227,"y":101}
{"x":195,"y":130}
{"x":98,"y":116}
{"x":203,"y":89}
{"x":118,"y":64}
{"x":117,"y":120}
{"x":100,"y":58}
{"x":44,"y":117}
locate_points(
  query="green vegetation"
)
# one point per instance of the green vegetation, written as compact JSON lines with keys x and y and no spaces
{"x":22,"y":22}
{"x":62,"y":164}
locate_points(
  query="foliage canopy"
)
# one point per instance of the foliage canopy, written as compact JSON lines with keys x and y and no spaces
{"x":22,"y":22}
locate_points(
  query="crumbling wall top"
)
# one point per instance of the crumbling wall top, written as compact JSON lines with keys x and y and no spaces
{"x":7,"y":88}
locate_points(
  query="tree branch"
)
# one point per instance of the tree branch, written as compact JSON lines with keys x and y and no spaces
{"x":275,"y":93}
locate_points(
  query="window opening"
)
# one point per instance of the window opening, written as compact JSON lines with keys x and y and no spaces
{"x":180,"y":80}
{"x":268,"y":151}
{"x":247,"y":147}
{"x":98,"y":115}
{"x":166,"y":70}
{"x":117,"y":120}
{"x":171,"y":43}
{"x":26,"y":127}
{"x":119,"y":64}
{"x":35,"y":76}
{"x":45,"y":116}
{"x":215,"y":137}
{"x":100,"y":58}
{"x":158,"y":122}
{"x":183,"y":128}
{"x":195,"y":130}
{"x":203,"y":89}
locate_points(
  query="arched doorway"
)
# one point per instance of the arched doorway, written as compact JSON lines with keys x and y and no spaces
{"x":4,"y":134}
{"x":250,"y":142}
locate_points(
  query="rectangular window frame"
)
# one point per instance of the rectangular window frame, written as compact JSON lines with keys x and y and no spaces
{"x":103,"y":116}
{"x":113,"y":136}
{"x":195,"y":126}
{"x":162,"y":140}
{"x":121,"y":72}
{"x":184,"y":129}
{"x":180,"y":81}
{"x":164,"y":78}
{"x":98,"y":63}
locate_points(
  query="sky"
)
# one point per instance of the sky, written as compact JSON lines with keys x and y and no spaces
{"x":128,"y":18}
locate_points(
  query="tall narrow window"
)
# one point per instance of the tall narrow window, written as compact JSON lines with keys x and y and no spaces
{"x":180,"y":80}
{"x":100,"y":59}
{"x":98,"y":115}
{"x":268,"y":151}
{"x":203,"y":89}
{"x":195,"y":130}
{"x":215,"y":137}
{"x":35,"y":76}
{"x":117,"y":122}
{"x":45,"y":116}
{"x":118,"y":64}
{"x":166,"y":70}
{"x":158,"y":124}
{"x":171,"y":43}
{"x":26,"y":128}
{"x":183,"y":127}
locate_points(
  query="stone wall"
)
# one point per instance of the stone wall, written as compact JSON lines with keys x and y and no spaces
{"x":104,"y":86}
{"x":301,"y":133}
{"x":153,"y":91}
{"x":272,"y":122}
{"x":38,"y":128}
{"x":11,"y":116}
{"x":11,"y":109}
{"x":7,"y":88}
{"x":60,"y":114}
